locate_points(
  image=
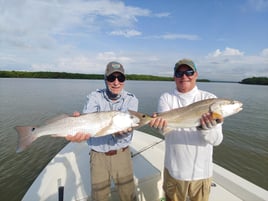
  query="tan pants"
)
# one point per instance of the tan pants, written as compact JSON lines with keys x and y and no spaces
{"x":117,"y":168}
{"x":177,"y":190}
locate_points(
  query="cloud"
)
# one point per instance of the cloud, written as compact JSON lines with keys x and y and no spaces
{"x":175,"y":37}
{"x":180,"y":36}
{"x":112,"y":56}
{"x":226,"y":52}
{"x":257,"y":5}
{"x":233,"y":65}
{"x":126,"y":33}
{"x":51,"y":35}
{"x":160,"y":15}
{"x":264,"y":53}
{"x":37,"y":21}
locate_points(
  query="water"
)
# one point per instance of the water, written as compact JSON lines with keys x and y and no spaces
{"x":244,"y":149}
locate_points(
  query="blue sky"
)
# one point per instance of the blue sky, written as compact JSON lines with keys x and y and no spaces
{"x":227,"y":39}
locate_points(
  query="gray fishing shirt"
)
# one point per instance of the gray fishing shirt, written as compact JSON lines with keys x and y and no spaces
{"x":98,"y":101}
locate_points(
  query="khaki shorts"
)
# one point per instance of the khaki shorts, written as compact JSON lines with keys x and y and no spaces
{"x":177,"y":190}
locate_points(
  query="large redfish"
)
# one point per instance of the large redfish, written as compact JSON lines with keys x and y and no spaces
{"x":96,"y":124}
{"x":189,"y":116}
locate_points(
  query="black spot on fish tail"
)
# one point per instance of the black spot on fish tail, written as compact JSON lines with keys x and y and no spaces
{"x":25,"y":137}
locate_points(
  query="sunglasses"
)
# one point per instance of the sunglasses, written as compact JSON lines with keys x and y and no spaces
{"x":179,"y":74}
{"x":112,"y":78}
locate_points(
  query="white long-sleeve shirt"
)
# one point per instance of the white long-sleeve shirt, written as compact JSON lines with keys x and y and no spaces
{"x":188,"y":154}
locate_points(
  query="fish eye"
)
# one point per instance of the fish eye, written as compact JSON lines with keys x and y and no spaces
{"x":33,"y":129}
{"x":143,"y":116}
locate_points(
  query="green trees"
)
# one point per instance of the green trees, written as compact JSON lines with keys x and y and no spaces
{"x":64,"y":75}
{"x":255,"y":80}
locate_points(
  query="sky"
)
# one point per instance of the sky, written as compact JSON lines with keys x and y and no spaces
{"x":227,"y":39}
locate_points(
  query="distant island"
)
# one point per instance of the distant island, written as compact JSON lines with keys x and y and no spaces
{"x":64,"y":75}
{"x":255,"y":80}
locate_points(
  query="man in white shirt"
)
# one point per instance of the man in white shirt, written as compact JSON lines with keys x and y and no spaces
{"x":188,"y":155}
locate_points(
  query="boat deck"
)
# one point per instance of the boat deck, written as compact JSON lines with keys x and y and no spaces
{"x":70,"y":169}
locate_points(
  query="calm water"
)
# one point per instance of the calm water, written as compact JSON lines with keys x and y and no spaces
{"x":244,"y":150}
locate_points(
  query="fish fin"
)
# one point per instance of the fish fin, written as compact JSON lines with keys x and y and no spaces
{"x":25,"y":137}
{"x":144,"y":118}
{"x":216,"y":115}
{"x":57,"y":118}
{"x":102,"y":131}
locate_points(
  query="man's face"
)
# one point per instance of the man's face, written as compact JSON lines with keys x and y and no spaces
{"x":115,"y":82}
{"x":187,"y":79}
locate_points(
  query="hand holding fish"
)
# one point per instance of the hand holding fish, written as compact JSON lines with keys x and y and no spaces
{"x":78,"y":137}
{"x":158,"y":122}
{"x":207,"y":121}
{"x":124,"y":131}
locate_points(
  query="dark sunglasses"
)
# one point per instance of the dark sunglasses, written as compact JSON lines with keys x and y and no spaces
{"x":120,"y":78}
{"x":179,"y":74}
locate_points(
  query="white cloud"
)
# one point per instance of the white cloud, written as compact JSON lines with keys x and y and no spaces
{"x":180,"y":36}
{"x":264,"y":53}
{"x":126,"y":33}
{"x":112,"y":56}
{"x":160,"y":15}
{"x":37,"y":21}
{"x":233,"y":65}
{"x":170,"y":36}
{"x":226,"y":52}
{"x":257,"y":5}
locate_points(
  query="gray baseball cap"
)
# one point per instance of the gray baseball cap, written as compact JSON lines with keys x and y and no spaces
{"x":187,"y":62}
{"x":112,"y":67}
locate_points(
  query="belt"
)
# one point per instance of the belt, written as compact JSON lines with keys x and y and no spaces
{"x":112,"y":152}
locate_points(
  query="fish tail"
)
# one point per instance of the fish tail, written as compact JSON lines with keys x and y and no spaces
{"x":144,"y":118}
{"x":25,"y":137}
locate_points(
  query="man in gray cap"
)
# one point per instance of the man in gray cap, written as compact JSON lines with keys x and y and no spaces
{"x":110,"y":157}
{"x":188,"y":162}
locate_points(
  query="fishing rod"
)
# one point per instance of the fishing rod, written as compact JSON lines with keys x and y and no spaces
{"x":145,"y":148}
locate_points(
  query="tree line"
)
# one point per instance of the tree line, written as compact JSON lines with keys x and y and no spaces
{"x":64,"y":75}
{"x":255,"y":80}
